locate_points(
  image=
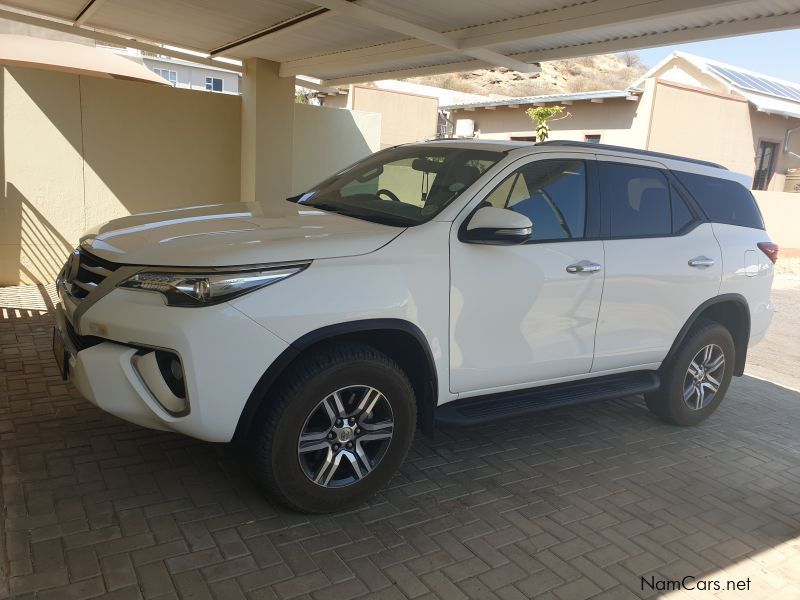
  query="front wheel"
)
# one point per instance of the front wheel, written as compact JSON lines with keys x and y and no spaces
{"x":697,"y":377}
{"x":336,"y":431}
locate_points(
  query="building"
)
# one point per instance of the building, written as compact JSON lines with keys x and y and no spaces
{"x":685,"y":105}
{"x":193,"y":76}
{"x":180,"y":73}
{"x":410,"y":111}
{"x":183,"y":73}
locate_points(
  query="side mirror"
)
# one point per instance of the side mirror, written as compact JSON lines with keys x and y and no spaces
{"x":498,"y":227}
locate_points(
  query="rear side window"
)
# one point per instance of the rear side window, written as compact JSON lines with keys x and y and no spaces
{"x":722,"y":200}
{"x":638,"y":199}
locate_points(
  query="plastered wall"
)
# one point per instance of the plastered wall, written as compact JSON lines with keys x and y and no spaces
{"x":77,"y":151}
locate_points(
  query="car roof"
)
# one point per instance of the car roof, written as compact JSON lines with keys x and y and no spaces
{"x":523,"y":148}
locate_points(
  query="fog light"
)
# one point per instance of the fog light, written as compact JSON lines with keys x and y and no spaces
{"x":162,"y":373}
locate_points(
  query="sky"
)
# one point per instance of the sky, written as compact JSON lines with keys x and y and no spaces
{"x":773,"y":53}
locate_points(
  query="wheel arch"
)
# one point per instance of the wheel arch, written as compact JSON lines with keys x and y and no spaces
{"x":730,"y":310}
{"x":401,"y":340}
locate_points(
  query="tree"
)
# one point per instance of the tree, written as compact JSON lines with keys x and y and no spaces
{"x":543,"y":116}
{"x":631,"y":59}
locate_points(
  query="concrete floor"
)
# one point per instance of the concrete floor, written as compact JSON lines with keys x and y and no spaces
{"x":570,"y":504}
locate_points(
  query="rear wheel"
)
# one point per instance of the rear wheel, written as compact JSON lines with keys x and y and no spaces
{"x":696,"y":379}
{"x":336,"y":430}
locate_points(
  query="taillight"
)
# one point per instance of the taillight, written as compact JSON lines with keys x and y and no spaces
{"x":770,"y":249}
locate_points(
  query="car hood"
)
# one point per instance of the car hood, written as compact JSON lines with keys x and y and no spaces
{"x":235,"y":234}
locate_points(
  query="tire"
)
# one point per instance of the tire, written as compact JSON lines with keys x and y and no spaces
{"x":669,"y":403}
{"x":302,"y":474}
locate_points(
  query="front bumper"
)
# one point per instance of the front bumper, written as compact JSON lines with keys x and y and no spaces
{"x":223,"y":354}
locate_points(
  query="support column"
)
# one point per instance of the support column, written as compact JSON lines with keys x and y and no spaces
{"x":267,"y":132}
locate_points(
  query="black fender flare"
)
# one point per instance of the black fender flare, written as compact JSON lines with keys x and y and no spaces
{"x":741,"y":352}
{"x":285,"y":359}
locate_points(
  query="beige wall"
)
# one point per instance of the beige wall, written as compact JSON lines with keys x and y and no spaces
{"x":404,"y":117}
{"x":702,"y":124}
{"x":77,"y":151}
{"x":622,"y":122}
{"x":781,"y":212}
{"x":80,"y":150}
{"x":719,"y":132}
{"x":329,"y":139}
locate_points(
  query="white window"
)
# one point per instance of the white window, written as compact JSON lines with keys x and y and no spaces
{"x":171,"y":76}
{"x":213,"y":84}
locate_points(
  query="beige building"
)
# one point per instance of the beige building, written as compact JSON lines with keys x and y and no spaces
{"x":685,"y":105}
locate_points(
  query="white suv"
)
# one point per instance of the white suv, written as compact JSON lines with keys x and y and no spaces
{"x":450,"y":282}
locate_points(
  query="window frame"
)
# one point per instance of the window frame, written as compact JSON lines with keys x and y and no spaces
{"x":165,"y":73}
{"x":673,"y":185}
{"x":210,"y":80}
{"x":592,"y":216}
{"x":772,"y":163}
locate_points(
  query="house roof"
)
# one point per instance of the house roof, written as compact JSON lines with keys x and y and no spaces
{"x":768,"y":94}
{"x":543,"y":99}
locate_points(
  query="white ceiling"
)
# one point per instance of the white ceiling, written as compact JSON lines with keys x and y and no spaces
{"x":342,"y":41}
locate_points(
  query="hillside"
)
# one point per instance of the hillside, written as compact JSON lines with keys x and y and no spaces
{"x":590,"y":73}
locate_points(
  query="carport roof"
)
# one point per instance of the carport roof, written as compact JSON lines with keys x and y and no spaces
{"x":343,"y":41}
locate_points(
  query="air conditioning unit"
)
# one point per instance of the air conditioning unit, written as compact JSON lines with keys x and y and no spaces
{"x":465,"y":128}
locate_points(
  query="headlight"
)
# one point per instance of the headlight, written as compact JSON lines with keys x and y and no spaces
{"x":194,"y":287}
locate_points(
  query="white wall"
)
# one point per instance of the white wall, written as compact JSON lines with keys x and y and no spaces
{"x":193,"y":77}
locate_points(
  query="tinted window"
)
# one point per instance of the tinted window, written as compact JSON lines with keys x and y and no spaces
{"x":722,"y":200}
{"x":551,"y":193}
{"x":639,"y":200}
{"x":681,"y":216}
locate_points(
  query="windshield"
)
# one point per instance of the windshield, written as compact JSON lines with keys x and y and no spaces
{"x":402,"y":186}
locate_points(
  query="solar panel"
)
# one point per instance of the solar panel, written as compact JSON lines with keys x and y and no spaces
{"x":758,"y":84}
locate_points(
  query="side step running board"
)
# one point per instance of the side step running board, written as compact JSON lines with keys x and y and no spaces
{"x":483,"y":409}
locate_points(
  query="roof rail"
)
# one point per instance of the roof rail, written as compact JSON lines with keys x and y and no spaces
{"x":630,"y":151}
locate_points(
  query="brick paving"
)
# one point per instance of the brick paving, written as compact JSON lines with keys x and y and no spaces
{"x":565,"y":505}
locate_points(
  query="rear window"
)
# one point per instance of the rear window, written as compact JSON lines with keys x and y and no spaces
{"x":722,"y":200}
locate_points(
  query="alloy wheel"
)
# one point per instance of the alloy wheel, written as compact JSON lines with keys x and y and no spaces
{"x":703,"y":377}
{"x":345,"y":436}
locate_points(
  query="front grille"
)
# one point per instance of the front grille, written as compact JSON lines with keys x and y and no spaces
{"x":91,"y":273}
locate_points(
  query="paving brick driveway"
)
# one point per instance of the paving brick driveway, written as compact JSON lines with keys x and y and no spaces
{"x":569,"y":504}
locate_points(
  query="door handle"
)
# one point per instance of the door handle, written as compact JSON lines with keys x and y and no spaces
{"x":583,"y":266}
{"x":701,"y":262}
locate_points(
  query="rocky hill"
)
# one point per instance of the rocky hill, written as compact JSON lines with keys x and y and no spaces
{"x":603,"y":72}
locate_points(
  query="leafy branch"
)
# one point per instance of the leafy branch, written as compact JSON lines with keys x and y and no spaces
{"x":543,"y":116}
